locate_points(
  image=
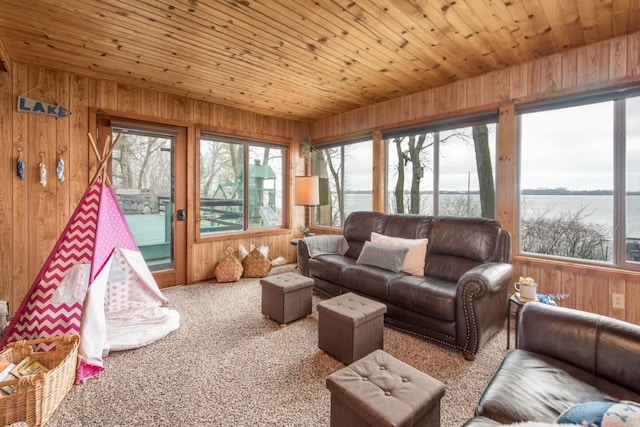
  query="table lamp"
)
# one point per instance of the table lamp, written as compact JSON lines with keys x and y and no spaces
{"x":307,"y":195}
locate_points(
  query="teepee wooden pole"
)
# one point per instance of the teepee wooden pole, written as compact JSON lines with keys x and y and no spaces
{"x":104,"y":157}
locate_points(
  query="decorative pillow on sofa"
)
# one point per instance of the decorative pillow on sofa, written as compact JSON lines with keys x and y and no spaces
{"x":602,"y":414}
{"x":387,"y":257}
{"x":414,"y":261}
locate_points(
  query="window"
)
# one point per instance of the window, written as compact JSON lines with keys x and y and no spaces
{"x":574,"y":167}
{"x":443,"y":170}
{"x":241,"y":184}
{"x":632,"y":196}
{"x":346,"y":181}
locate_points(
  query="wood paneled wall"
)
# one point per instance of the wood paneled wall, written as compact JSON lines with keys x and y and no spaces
{"x":594,"y":67}
{"x":32,"y":217}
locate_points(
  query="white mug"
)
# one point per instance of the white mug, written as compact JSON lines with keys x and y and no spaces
{"x":526,"y":291}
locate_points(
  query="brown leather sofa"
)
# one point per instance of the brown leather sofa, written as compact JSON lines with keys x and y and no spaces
{"x":460,"y":301}
{"x":563,"y":357}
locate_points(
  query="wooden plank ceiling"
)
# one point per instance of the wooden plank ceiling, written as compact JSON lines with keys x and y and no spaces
{"x":300,"y":59}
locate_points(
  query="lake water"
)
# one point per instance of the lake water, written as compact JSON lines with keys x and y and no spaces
{"x":597,"y":209}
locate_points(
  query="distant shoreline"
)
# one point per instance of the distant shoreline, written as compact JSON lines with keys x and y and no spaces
{"x":526,"y":192}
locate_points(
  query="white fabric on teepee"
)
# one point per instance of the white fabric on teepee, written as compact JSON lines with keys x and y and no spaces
{"x":120,"y":308}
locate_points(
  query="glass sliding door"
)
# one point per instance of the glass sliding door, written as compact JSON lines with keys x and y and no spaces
{"x":148,"y":174}
{"x":142,"y":165}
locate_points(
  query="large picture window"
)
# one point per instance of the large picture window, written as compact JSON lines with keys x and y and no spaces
{"x":444,"y":170}
{"x":575,"y":162}
{"x":346,"y":181}
{"x":241,"y":184}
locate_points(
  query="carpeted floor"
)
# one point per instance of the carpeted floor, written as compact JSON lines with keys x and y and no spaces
{"x":229,"y":366}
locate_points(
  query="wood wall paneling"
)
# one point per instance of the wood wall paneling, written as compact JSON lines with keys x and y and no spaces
{"x":20,"y":205}
{"x":633,"y":55}
{"x":8,"y":154}
{"x":77,"y":154}
{"x":36,"y":215}
{"x":63,"y":140}
{"x":610,"y":63}
{"x":618,"y":61}
{"x":551,"y":74}
{"x":42,"y":215}
{"x":569,"y":69}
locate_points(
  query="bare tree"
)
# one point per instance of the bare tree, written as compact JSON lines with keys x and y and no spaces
{"x":147,"y":147}
{"x":414,"y":154}
{"x":399,"y":188}
{"x":567,"y":235}
{"x":485,"y":170}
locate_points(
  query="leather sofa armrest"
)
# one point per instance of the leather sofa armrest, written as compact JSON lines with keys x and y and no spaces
{"x":481,"y":306}
{"x":312,"y":246}
{"x":490,"y":277}
{"x":598,"y":344}
{"x":564,"y":334}
{"x":303,"y":258}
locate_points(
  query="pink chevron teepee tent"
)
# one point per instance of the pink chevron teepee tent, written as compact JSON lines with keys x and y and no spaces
{"x":95,"y":283}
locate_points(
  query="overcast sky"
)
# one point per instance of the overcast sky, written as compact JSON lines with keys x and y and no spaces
{"x":570,"y":148}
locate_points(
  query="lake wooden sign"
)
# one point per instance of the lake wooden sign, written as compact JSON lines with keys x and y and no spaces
{"x":27,"y":105}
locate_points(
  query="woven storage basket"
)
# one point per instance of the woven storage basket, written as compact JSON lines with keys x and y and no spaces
{"x":37,"y":396}
{"x":229,"y":269}
{"x":256,"y":264}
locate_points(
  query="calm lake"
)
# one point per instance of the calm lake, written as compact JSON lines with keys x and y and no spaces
{"x":597,"y":209}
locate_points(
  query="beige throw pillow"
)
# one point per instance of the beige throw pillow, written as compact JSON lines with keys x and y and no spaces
{"x":414,"y":260}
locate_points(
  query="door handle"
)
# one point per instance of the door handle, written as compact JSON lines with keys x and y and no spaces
{"x":182,"y":215}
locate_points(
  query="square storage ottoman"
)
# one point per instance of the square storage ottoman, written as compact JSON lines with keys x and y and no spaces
{"x":350,"y":326}
{"x":380,"y":390}
{"x":286,"y":297}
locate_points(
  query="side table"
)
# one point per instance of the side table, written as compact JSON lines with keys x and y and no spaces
{"x":514,"y":300}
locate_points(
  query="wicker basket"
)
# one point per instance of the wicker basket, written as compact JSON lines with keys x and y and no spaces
{"x":256,"y":264}
{"x":37,"y":396}
{"x":229,"y":269}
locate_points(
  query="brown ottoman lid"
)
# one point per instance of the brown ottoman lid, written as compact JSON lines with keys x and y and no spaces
{"x":386,"y":391}
{"x":352,"y":309}
{"x":287,"y":282}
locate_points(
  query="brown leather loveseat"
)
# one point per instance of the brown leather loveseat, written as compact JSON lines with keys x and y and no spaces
{"x":458,"y":299}
{"x":564,"y":360}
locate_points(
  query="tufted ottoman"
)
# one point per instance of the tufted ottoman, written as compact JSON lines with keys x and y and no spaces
{"x":380,"y":390}
{"x":350,"y":326}
{"x":286,"y":297}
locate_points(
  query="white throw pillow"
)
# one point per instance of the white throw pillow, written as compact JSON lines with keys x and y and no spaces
{"x":414,"y":260}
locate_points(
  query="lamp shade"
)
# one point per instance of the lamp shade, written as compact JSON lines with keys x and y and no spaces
{"x":307,"y":191}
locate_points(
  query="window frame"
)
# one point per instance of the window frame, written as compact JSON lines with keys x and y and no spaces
{"x":618,"y":98}
{"x":485,"y":117}
{"x":335,"y":144}
{"x":246,"y":141}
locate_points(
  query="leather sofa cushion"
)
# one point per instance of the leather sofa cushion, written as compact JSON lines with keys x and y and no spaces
{"x":472,"y":238}
{"x":408,"y":226}
{"x":424,"y":295}
{"x":330,"y":267}
{"x":358,"y":227}
{"x":369,"y":281}
{"x":459,"y":244}
{"x":608,"y":347}
{"x":528,"y":386}
{"x":446,"y":267}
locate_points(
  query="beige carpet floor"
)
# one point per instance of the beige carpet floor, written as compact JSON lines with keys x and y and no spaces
{"x":229,"y":366}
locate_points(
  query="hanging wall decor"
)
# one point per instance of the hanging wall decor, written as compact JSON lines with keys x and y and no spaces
{"x":20,"y":165}
{"x":28,"y":105}
{"x":43,"y":171}
{"x":60,"y":167}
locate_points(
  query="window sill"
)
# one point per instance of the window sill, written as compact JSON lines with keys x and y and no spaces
{"x":250,"y":234}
